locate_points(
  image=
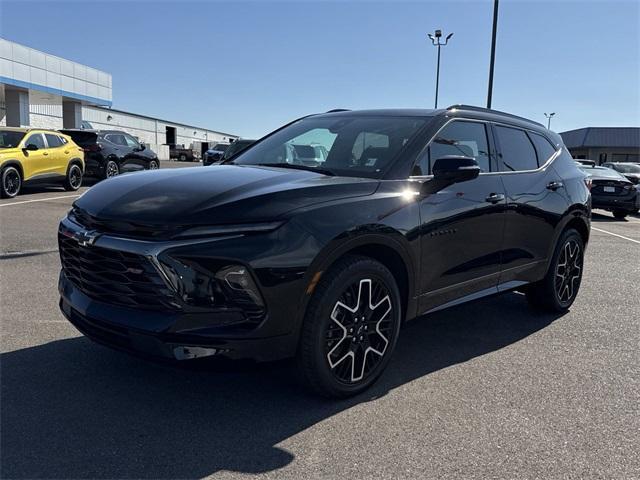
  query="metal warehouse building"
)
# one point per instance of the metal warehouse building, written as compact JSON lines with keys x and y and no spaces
{"x":44,"y":91}
{"x":604,"y":144}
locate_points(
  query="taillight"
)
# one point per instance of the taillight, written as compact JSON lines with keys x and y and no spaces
{"x":588,"y":183}
{"x":94,"y":147}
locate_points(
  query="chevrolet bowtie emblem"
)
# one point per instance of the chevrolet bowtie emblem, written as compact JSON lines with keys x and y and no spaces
{"x":86,"y":238}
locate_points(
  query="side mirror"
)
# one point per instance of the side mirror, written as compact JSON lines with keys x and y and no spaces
{"x":455,"y":169}
{"x":141,"y":147}
{"x":31,"y":147}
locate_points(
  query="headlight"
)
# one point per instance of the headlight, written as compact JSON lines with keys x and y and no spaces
{"x":240,"y":229}
{"x":212,"y":284}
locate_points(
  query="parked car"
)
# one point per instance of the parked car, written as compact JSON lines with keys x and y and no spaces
{"x":630,"y":170}
{"x":412,"y":211}
{"x":29,"y":156}
{"x":611,"y":191}
{"x":108,"y":153}
{"x":215,"y":153}
{"x":182,"y":154}
{"x":217,"y":156}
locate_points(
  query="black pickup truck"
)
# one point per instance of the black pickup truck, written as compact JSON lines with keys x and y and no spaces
{"x":182,"y":154}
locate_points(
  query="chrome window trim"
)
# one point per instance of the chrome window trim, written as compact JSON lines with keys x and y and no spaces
{"x":487,"y":123}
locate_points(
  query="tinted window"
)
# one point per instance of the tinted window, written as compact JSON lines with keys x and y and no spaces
{"x":35,"y":139}
{"x":516,"y":149}
{"x":10,"y":139}
{"x":543,"y":147}
{"x":131,"y":142}
{"x":116,"y":139}
{"x":53,"y":140}
{"x":458,"y":138}
{"x":360,"y":146}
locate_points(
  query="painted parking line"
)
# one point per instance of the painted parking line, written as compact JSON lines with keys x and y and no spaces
{"x":616,"y":235}
{"x":39,"y":200}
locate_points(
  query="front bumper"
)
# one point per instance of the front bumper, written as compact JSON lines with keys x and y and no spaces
{"x":157,"y":335}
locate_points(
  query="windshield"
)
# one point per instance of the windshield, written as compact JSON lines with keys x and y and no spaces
{"x":620,"y":167}
{"x":236,"y":147}
{"x":220,"y":147}
{"x":10,"y":138}
{"x":351,"y":146}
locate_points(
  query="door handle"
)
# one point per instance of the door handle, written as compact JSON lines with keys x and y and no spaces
{"x":66,"y":152}
{"x":495,"y":198}
{"x":45,"y":153}
{"x":554,"y":185}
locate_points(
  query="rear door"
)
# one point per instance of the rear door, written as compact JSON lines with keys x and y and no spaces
{"x":462,"y":225}
{"x":59,"y":153}
{"x":536,"y":201}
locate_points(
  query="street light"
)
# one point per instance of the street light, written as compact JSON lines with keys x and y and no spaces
{"x":435,"y":40}
{"x":549,"y":117}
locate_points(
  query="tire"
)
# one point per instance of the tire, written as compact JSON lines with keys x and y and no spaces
{"x":73,"y":180}
{"x":11,"y":182}
{"x":153,"y":165}
{"x":182,"y":157}
{"x":340,"y":353}
{"x":557,"y":291}
{"x":620,"y":214}
{"x":111,"y":169}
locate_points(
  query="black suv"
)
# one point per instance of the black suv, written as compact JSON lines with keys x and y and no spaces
{"x":111,"y":152}
{"x":266,"y":258}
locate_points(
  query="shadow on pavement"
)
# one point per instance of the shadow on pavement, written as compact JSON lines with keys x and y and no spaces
{"x":72,"y":409}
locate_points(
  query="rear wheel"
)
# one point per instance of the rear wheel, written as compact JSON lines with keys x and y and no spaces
{"x":111,"y":169}
{"x":74,"y":178}
{"x":350,"y":328}
{"x":559,"y":288}
{"x":620,"y":214}
{"x":11,"y":182}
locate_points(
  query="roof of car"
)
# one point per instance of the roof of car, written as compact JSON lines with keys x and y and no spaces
{"x":15,"y":129}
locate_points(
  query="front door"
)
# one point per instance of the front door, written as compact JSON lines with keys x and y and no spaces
{"x":35,"y":162}
{"x":462,"y":225}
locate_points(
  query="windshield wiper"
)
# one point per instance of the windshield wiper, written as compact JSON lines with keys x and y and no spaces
{"x":296,"y":166}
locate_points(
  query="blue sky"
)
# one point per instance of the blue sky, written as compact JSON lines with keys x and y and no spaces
{"x":248,"y":67}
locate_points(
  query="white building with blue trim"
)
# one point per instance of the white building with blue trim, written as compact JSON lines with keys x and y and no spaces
{"x":40,"y":90}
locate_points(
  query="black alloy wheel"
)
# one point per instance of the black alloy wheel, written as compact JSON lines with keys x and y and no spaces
{"x":350,"y":328}
{"x":111,"y":169}
{"x":11,"y":182}
{"x":557,"y":291}
{"x":73,"y":180}
{"x":153,"y":165}
{"x":182,"y":157}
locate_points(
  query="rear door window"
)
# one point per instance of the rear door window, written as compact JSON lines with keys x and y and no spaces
{"x":53,"y":141}
{"x":544,"y":148}
{"x":516,"y":150}
{"x":116,"y":139}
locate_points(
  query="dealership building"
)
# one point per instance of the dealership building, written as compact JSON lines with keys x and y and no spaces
{"x":39,"y":90}
{"x":604,"y":144}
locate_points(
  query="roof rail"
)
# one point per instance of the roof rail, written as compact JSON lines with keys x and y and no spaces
{"x":338,"y":110}
{"x":490,"y":110}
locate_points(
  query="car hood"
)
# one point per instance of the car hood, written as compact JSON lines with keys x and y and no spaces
{"x":221,"y":194}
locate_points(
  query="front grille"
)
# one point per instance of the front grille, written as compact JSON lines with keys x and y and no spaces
{"x":123,"y":228}
{"x":114,"y":277}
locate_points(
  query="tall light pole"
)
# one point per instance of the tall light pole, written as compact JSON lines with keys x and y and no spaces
{"x":493,"y":52}
{"x":549,"y":117}
{"x":436,"y":43}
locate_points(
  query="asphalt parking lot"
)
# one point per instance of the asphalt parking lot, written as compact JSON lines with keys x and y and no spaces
{"x":487,"y":389}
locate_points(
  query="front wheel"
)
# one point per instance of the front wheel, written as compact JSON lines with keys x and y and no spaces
{"x":350,"y":328}
{"x":11,"y":182}
{"x":559,"y":288}
{"x":73,"y":181}
{"x":153,"y":165}
{"x":620,"y":214}
{"x":182,"y":157}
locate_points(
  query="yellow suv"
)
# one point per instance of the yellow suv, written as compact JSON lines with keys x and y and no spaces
{"x":29,"y":155}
